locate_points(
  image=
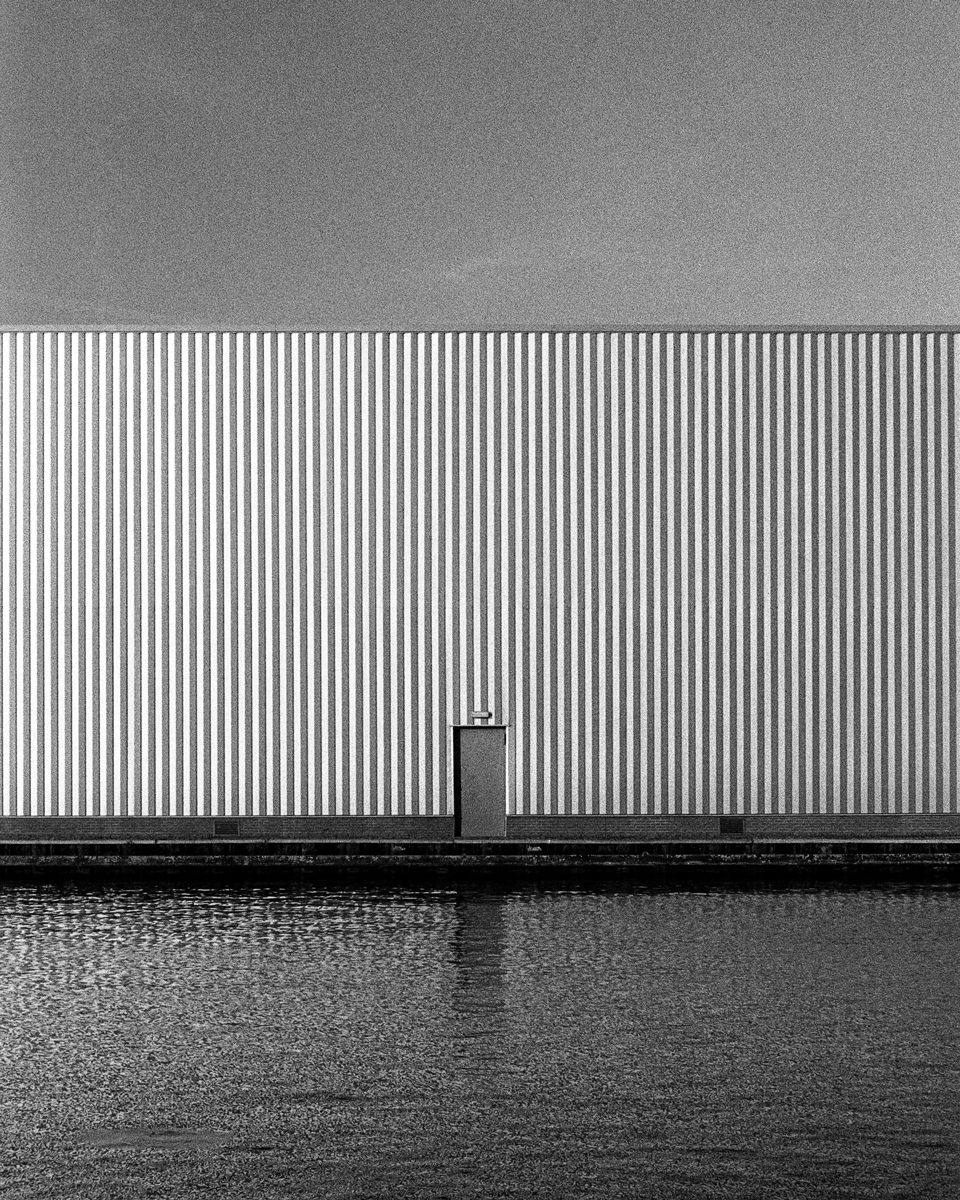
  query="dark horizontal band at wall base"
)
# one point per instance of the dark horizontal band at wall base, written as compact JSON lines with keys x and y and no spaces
{"x":182,"y":829}
{"x":697,"y":828}
{"x":441,"y":829}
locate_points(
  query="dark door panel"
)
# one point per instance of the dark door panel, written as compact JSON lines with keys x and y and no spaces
{"x":480,"y":772}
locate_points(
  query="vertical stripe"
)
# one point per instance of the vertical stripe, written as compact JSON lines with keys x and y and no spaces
{"x":631,"y":534}
{"x":163,"y":472}
{"x":450,"y":610}
{"x":312,"y":579}
{"x":711,"y":792}
{"x":862,"y":688}
{"x":31,"y":566}
{"x":756,"y":668}
{"x":64,"y":716}
{"x":944,"y":596}
{"x":148,"y":591}
{"x":276,"y":699}
{"x":349,"y":470}
{"x":48,"y":781}
{"x":213,"y":429}
{"x":575,"y":708}
{"x":7,"y":492}
{"x":393,"y":561}
{"x":507,"y":500}
{"x":436,"y":547}
{"x":769,"y":434}
{"x":228,"y":556}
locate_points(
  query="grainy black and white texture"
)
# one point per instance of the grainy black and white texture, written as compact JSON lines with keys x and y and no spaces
{"x":438,"y":164}
{"x":264,"y":573}
{"x":692,"y":573}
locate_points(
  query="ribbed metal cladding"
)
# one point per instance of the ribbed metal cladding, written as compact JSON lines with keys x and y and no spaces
{"x":265,"y":573}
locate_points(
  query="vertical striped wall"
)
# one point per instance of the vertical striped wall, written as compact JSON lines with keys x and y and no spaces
{"x":265,"y":573}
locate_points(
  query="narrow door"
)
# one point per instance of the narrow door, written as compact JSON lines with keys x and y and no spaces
{"x":480,"y":778}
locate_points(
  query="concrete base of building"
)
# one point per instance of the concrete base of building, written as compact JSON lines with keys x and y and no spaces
{"x":750,"y":827}
{"x":210,"y":829}
{"x":519,"y":830}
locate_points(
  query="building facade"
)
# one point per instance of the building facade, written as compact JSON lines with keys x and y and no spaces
{"x":270,"y":582}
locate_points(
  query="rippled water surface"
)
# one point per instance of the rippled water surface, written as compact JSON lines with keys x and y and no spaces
{"x":446,"y":1042}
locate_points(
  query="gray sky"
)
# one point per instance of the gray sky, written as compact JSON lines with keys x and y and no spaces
{"x":479,"y":163}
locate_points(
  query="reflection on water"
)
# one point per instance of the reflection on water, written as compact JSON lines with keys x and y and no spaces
{"x":477,"y":998}
{"x":455,"y":1042}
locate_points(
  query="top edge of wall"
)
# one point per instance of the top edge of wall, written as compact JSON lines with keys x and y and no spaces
{"x":552,"y":329}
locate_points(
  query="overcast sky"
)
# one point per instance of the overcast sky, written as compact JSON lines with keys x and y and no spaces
{"x":479,"y":163}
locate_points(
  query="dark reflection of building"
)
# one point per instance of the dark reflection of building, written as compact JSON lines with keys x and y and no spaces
{"x":478,"y":995}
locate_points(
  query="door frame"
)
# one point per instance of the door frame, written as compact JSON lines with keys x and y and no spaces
{"x":455,"y":763}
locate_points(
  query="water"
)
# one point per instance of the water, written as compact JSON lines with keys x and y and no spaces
{"x":428,"y":1043}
